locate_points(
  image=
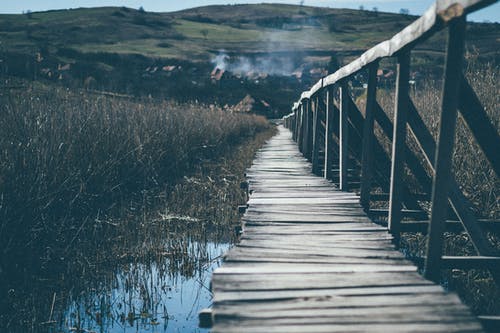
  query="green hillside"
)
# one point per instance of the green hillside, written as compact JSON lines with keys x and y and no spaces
{"x":142,"y":53}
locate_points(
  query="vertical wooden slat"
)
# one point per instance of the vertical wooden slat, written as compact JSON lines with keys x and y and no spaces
{"x":329,"y":133}
{"x":399,"y":143}
{"x":309,"y":126}
{"x":315,"y":134}
{"x":444,"y":151}
{"x":303,"y":127}
{"x":297,"y":123}
{"x":368,"y":137}
{"x":305,"y":139}
{"x":343,"y":134}
{"x":300,"y":127}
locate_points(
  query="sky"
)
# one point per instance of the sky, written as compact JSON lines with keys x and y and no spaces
{"x":416,"y":7}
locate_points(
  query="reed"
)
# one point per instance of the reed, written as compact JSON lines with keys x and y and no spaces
{"x":71,"y":159}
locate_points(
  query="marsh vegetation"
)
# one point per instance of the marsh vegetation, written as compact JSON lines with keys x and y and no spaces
{"x":93,"y":185}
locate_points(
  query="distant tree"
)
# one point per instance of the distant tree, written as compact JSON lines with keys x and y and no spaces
{"x":375,"y":9}
{"x":141,"y":9}
{"x":361,"y":7}
{"x":404,"y":11}
{"x":333,"y":64}
{"x":29,"y":14}
{"x":204,"y":32}
{"x":301,"y":3}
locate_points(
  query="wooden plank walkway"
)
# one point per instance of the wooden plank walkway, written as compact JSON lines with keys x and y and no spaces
{"x":310,"y":260}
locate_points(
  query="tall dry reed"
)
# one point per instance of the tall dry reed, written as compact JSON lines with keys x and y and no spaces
{"x":69,"y":158}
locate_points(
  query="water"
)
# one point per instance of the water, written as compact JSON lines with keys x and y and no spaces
{"x":147,"y":297}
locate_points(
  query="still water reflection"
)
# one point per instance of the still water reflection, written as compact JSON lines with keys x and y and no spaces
{"x":146,"y":297}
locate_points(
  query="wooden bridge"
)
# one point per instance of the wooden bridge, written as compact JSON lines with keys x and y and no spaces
{"x":310,"y":257}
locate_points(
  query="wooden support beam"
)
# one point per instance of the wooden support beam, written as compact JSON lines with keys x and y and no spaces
{"x":205,"y":318}
{"x":315,"y":134}
{"x":329,"y":130}
{"x":399,"y":143}
{"x":443,"y":161}
{"x":301,"y":127}
{"x":382,"y":161}
{"x":412,"y":161}
{"x":305,"y":111}
{"x":343,"y":135}
{"x":470,"y":262}
{"x":417,"y":214}
{"x":457,"y":200}
{"x":450,"y":226}
{"x":308,"y":124}
{"x":385,"y":196}
{"x":480,"y":125}
{"x":298,"y":124}
{"x":490,"y":323}
{"x":368,"y":137}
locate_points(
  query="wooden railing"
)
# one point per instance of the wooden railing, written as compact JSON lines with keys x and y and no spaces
{"x":337,"y":138}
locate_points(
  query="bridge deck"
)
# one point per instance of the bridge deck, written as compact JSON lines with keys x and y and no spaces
{"x":310,"y":260}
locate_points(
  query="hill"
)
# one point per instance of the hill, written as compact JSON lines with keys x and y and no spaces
{"x":174,"y":55}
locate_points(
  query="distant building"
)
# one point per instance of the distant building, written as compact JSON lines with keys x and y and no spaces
{"x":217,"y":74}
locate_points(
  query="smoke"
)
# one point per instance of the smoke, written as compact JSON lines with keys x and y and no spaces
{"x":268,"y":64}
{"x":221,"y":60}
{"x":280,"y":56}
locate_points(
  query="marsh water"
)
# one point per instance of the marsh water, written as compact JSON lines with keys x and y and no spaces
{"x":142,"y":296}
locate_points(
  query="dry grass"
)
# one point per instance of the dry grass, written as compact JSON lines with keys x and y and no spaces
{"x":68,"y":157}
{"x":471,"y":171}
{"x":90,"y":182}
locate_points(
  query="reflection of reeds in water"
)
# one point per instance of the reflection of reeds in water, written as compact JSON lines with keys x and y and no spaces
{"x":141,"y":296}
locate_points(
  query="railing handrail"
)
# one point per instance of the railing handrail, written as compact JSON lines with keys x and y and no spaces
{"x":434,"y":19}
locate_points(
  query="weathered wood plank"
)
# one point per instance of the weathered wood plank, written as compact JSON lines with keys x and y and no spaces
{"x":310,"y":260}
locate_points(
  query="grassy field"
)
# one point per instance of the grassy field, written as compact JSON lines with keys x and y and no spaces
{"x":233,"y":28}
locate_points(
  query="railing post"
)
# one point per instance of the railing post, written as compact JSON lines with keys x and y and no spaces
{"x":315,"y":134}
{"x":329,"y":133}
{"x":309,"y":126}
{"x":444,"y":152}
{"x":343,"y":134}
{"x":368,"y":137}
{"x":399,"y":144}
{"x":305,"y":128}
{"x":300,"y":126}
{"x":297,"y":123}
